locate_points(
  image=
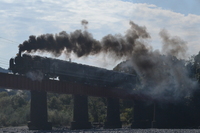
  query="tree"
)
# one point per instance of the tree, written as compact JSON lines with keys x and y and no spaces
{"x":97,"y":109}
{"x":54,"y":103}
{"x":17,"y":101}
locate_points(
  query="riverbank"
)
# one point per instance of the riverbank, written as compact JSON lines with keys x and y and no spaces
{"x":24,"y":129}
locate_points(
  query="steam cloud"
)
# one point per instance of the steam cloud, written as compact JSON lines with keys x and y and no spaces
{"x":163,"y":76}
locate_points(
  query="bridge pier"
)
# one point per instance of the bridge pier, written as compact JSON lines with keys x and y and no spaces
{"x":80,"y":113}
{"x":143,"y":115}
{"x":153,"y":123}
{"x":113,"y":114}
{"x":136,"y":115}
{"x":38,"y":111}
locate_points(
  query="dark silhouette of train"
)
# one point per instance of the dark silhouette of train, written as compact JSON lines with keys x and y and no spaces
{"x":49,"y":68}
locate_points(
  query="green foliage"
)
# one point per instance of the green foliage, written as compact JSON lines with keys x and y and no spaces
{"x":54,"y":103}
{"x":14,"y":110}
{"x":5,"y":101}
{"x":17,"y":101}
{"x":60,"y":118}
{"x":60,"y":109}
{"x":18,"y":117}
{"x":97,"y":109}
{"x":65,"y":99}
{"x":59,"y":101}
{"x":127,"y":116}
{"x":126,"y":109}
{"x":3,"y":94}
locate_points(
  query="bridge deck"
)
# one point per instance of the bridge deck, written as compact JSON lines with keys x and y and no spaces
{"x":11,"y":81}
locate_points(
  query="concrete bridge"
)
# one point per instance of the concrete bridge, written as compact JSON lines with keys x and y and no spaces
{"x":39,"y":89}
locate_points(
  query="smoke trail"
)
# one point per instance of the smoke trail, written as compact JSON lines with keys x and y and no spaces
{"x":173,"y":46}
{"x":125,"y":45}
{"x":82,"y":43}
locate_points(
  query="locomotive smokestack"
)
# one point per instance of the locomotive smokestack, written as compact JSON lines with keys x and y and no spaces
{"x":19,"y":53}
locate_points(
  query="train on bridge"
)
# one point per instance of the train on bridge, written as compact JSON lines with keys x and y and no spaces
{"x":49,"y":68}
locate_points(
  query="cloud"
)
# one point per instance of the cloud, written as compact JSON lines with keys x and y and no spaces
{"x":19,"y":19}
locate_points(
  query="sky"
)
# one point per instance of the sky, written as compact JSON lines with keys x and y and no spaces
{"x":19,"y":19}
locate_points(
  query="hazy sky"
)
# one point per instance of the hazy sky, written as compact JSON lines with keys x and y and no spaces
{"x":19,"y":20}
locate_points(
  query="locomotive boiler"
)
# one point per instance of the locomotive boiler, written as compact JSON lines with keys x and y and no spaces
{"x":49,"y":68}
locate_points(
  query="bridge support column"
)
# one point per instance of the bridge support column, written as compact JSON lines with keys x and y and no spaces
{"x":113,"y":114}
{"x":80,"y":116}
{"x":153,"y":123}
{"x":38,"y":111}
{"x":136,"y":115}
{"x":143,"y":115}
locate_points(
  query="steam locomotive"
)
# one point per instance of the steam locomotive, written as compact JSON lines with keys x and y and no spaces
{"x":49,"y":68}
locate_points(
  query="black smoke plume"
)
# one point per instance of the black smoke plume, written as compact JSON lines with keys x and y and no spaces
{"x":82,"y":43}
{"x":162,"y":75}
{"x":84,"y":23}
{"x":174,"y":46}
